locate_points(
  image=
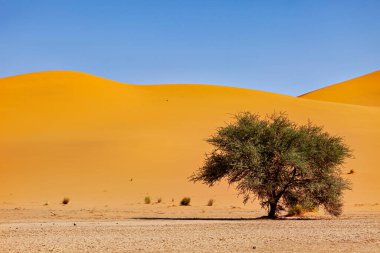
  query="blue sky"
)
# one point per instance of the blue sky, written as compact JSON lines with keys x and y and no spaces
{"x":288,"y":46}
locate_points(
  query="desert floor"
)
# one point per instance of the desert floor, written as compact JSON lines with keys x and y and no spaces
{"x":169,"y":228}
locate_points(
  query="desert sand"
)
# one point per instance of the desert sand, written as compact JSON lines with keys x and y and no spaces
{"x":100,"y":142}
{"x":106,"y":145}
{"x":363,"y":90}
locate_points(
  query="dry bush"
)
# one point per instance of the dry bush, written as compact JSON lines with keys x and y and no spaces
{"x":185,"y":201}
{"x":65,"y":201}
{"x":147,"y":200}
{"x":299,"y":210}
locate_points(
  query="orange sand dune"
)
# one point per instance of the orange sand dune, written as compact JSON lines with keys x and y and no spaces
{"x":363,"y":90}
{"x":101,"y":142}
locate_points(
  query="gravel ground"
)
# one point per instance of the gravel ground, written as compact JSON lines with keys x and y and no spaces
{"x":357,"y":234}
{"x":167,"y":228}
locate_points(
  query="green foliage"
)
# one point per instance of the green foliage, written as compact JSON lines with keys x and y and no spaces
{"x":65,"y":201}
{"x":185,"y":201}
{"x":147,"y":200}
{"x":280,"y":163}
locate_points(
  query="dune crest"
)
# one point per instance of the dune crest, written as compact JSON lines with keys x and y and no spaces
{"x":101,"y":142}
{"x":363,"y":90}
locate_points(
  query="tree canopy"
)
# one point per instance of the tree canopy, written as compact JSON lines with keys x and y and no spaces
{"x":278,"y":162}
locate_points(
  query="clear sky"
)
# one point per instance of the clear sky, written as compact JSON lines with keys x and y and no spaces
{"x":284,"y":46}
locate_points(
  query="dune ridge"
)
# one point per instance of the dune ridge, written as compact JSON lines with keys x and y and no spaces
{"x":363,"y":90}
{"x":102,"y":142}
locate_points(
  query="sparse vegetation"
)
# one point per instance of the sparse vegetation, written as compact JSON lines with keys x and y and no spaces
{"x":210,"y":202}
{"x":159,"y":200}
{"x":280,"y":163}
{"x":185,"y":201}
{"x":65,"y":201}
{"x":147,"y":200}
{"x":351,"y":172}
{"x":299,"y":210}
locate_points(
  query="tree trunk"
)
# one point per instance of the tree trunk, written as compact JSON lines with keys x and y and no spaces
{"x":272,"y":210}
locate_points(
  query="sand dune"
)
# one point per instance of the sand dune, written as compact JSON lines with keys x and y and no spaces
{"x":101,"y":142}
{"x":363,"y":90}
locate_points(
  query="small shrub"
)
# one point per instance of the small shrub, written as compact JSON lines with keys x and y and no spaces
{"x":351,"y":172}
{"x":295,"y":210}
{"x":299,"y":210}
{"x":147,"y":200}
{"x":185,"y":201}
{"x":159,"y":200}
{"x":210,"y":202}
{"x":65,"y":201}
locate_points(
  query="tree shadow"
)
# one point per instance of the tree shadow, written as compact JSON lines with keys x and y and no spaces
{"x":224,"y":218}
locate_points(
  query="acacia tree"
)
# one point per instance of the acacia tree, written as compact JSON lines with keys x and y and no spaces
{"x":280,"y":163}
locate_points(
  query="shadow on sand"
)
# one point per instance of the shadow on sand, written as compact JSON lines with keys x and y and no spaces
{"x":222,"y":218}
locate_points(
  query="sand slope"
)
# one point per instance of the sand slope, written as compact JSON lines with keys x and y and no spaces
{"x":101,"y":142}
{"x":363,"y":90}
